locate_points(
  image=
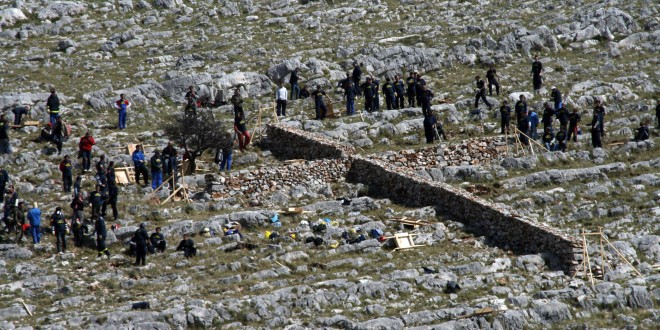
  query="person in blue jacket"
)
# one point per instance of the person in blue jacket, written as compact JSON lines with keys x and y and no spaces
{"x":140,"y":165}
{"x":533,"y":123}
{"x":34,"y":216}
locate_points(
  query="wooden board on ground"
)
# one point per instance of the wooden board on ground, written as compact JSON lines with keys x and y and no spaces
{"x":405,"y":241}
{"x":124,"y":175}
{"x":479,"y":312}
{"x":410,"y":222}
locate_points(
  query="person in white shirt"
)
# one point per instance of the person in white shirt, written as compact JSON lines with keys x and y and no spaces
{"x":281,"y":100}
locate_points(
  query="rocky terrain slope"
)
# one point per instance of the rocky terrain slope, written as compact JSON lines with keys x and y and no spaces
{"x":152,"y":50}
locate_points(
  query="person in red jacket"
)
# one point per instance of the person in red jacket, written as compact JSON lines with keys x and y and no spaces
{"x":85,"y":147}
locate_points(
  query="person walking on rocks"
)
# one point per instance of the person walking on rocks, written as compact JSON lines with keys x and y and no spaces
{"x":227,"y":151}
{"x":85,"y":150}
{"x":537,"y":74}
{"x":411,"y":82}
{"x":58,"y":134}
{"x":555,"y":96}
{"x":34,"y":217}
{"x":241,"y":131}
{"x":388,"y":91}
{"x":349,"y":92}
{"x":357,"y":74}
{"x":319,"y":105}
{"x":101,"y":234}
{"x":505,"y":117}
{"x":59,"y":224}
{"x":573,"y":120}
{"x":4,"y":179}
{"x":66,"y":167}
{"x":141,"y":239}
{"x":191,"y":101}
{"x":376,"y":103}
{"x":53,"y":106}
{"x":5,"y":147}
{"x":122,"y":106}
{"x":140,"y":165}
{"x":9,"y":206}
{"x":425,"y":96}
{"x":493,"y":79}
{"x":281,"y":97}
{"x":237,"y":101}
{"x":400,"y":92}
{"x":548,"y":114}
{"x":77,"y":205}
{"x":561,"y":139}
{"x":293,"y":82}
{"x":96,"y":198}
{"x":596,"y":133}
{"x":521,"y":109}
{"x":156,"y":170}
{"x":19,"y":220}
{"x":657,"y":113}
{"x":113,"y":193}
{"x":599,"y":111}
{"x":481,"y":93}
{"x":187,"y":245}
{"x":368,"y":89}
{"x":18,"y":112}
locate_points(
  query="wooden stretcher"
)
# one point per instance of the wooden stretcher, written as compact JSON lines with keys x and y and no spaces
{"x":26,"y":123}
{"x":404,"y":241}
{"x":125,"y":175}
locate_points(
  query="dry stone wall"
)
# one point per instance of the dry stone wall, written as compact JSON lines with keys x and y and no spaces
{"x":393,"y":176}
{"x":508,"y":230}
{"x":292,"y":143}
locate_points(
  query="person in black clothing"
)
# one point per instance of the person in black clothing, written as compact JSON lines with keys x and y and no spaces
{"x":368,"y":90}
{"x":596,"y":133}
{"x":58,"y":134}
{"x":4,"y":179}
{"x":158,"y":243}
{"x":419,"y":82}
{"x":59,"y":224}
{"x":573,"y":120}
{"x":96,"y":199}
{"x":141,"y":238}
{"x":53,"y":106}
{"x":561,"y":139}
{"x":5,"y":148}
{"x":537,"y":73}
{"x":481,"y":93}
{"x":237,"y":101}
{"x":562,"y":116}
{"x":521,"y":109}
{"x":425,"y":96}
{"x":388,"y":91}
{"x":599,"y":111}
{"x":493,"y":79}
{"x":547,"y":138}
{"x":110,"y":176}
{"x":101,"y":234}
{"x":9,"y":207}
{"x":657,"y":113}
{"x":78,"y":231}
{"x":429,"y":127}
{"x":642,"y":132}
{"x":168,"y":153}
{"x":191,"y":101}
{"x":293,"y":82}
{"x":113,"y":193}
{"x":187,"y":246}
{"x":66,"y":167}
{"x":304,"y":93}
{"x":411,"y":82}
{"x":400,"y":91}
{"x":319,"y":105}
{"x":505,"y":117}
{"x":77,"y":205}
{"x":357,"y":74}
{"x":555,"y":96}
{"x":349,"y":93}
{"x":548,"y":113}
{"x":376,"y":103}
{"x":18,"y":112}
{"x":523,"y":127}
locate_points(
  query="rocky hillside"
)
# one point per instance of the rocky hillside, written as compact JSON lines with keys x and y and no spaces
{"x":152,"y":50}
